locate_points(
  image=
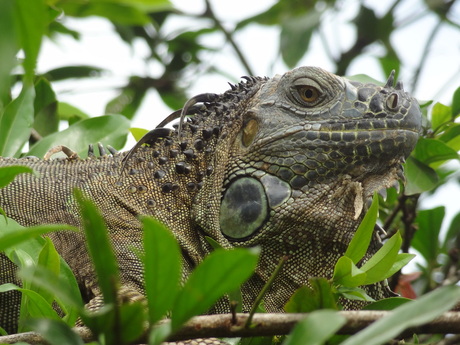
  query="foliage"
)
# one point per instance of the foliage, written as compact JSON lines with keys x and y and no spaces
{"x":31,"y":117}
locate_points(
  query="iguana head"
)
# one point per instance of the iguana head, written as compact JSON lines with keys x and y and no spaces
{"x":301,"y":157}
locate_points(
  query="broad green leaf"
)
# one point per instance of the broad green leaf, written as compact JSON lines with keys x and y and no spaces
{"x":402,"y":259}
{"x":159,"y":333}
{"x":346,"y":273}
{"x":420,"y":177}
{"x":15,"y":237}
{"x":452,"y":233}
{"x":295,"y":36}
{"x":361,"y":239}
{"x":9,"y":44}
{"x":220,"y":272}
{"x":108,"y":129}
{"x":380,"y":263}
{"x":138,"y":133}
{"x":440,"y":115}
{"x":32,"y":19}
{"x":67,"y":112}
{"x":7,"y":174}
{"x":429,"y":151}
{"x":415,"y":313}
{"x":73,"y":72}
{"x":387,"y":303}
{"x":99,"y":247}
{"x":426,"y":239}
{"x":456,"y":103}
{"x":48,"y":258}
{"x":132,"y":321}
{"x":307,"y":299}
{"x":316,"y":328}
{"x":354,"y":293}
{"x":55,"y":332}
{"x":45,"y":106}
{"x":64,"y":289}
{"x":451,"y":136}
{"x":37,"y":306}
{"x":128,"y":101}
{"x":16,"y":122}
{"x":162,"y":268}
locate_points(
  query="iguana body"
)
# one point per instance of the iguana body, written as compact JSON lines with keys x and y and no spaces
{"x":286,"y":164}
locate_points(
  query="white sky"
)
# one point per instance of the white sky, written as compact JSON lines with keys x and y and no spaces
{"x":99,"y":46}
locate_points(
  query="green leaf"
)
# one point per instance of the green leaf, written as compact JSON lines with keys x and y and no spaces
{"x":99,"y":247}
{"x":387,"y":303}
{"x":361,"y":239}
{"x":346,"y":273}
{"x":420,"y":177}
{"x":440,"y":115}
{"x":426,"y":239}
{"x":456,"y":103}
{"x":9,"y":44}
{"x":220,"y":272}
{"x":429,"y":151}
{"x":72,"y":72}
{"x":7,"y":174}
{"x":452,"y":233}
{"x":378,"y":266}
{"x":16,"y":122}
{"x":354,"y":293}
{"x":402,"y":259}
{"x":316,"y":328}
{"x":55,"y":332}
{"x":138,"y":133}
{"x":19,"y":235}
{"x":45,"y":106}
{"x":132,"y":321}
{"x":295,"y":36}
{"x":67,"y":112}
{"x":109,"y":129}
{"x":162,"y":268}
{"x":37,"y":306}
{"x":306,"y":299}
{"x":415,"y":313}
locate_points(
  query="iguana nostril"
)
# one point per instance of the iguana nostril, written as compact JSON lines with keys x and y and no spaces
{"x":392,"y":101}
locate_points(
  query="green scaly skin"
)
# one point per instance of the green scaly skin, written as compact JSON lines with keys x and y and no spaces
{"x":286,"y":164}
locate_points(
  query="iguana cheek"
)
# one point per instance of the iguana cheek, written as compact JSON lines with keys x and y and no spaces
{"x":244,"y":208}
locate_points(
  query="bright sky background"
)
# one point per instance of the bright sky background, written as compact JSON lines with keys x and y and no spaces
{"x":99,"y":46}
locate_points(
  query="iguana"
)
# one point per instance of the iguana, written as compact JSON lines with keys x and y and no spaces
{"x":286,"y":164}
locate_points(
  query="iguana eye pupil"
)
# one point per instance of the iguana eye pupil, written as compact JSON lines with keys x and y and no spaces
{"x":308,"y":93}
{"x":244,"y":208}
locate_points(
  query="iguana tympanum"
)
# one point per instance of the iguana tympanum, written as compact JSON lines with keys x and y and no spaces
{"x":286,"y":164}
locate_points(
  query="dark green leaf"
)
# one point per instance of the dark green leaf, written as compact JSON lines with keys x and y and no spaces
{"x":415,"y":313}
{"x":440,"y":115}
{"x":306,"y":299}
{"x":16,"y":123}
{"x":456,"y":103}
{"x":426,"y":239}
{"x":453,"y":233}
{"x":429,"y":151}
{"x":132,"y":321}
{"x":380,"y":263}
{"x":32,"y":19}
{"x":354,"y":293}
{"x":49,"y":259}
{"x":220,"y":272}
{"x":72,"y":72}
{"x":295,"y":36}
{"x":361,"y":239}
{"x":387,"y":303}
{"x":67,"y":112}
{"x":420,"y":177}
{"x":55,"y":332}
{"x":316,"y":328}
{"x":7,"y":174}
{"x":346,"y":273}
{"x":20,"y":234}
{"x":99,"y":247}
{"x":110,"y":129}
{"x":9,"y":44}
{"x":45,"y":106}
{"x":162,"y":268}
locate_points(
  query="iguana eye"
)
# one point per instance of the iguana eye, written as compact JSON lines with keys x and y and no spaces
{"x":308,"y":93}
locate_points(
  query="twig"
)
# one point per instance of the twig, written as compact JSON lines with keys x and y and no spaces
{"x":220,"y":325}
{"x":210,"y":14}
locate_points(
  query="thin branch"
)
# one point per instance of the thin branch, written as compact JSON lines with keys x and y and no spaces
{"x":220,"y":325}
{"x":210,"y":14}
